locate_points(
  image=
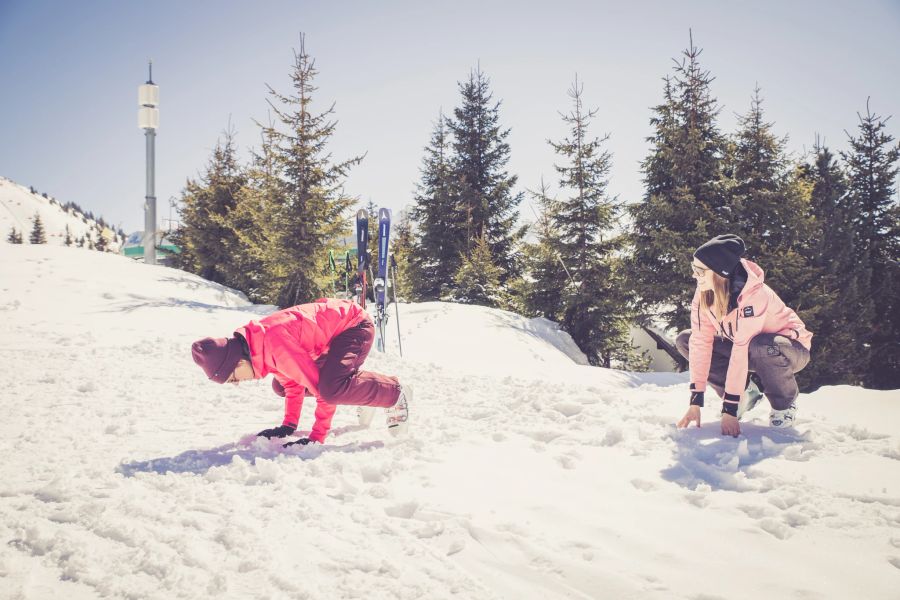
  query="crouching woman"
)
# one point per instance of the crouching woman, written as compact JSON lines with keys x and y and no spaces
{"x":740,"y":325}
{"x":316,"y":348}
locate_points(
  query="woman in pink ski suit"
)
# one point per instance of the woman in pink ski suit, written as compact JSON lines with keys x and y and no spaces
{"x":740,"y":325}
{"x":316,"y":348}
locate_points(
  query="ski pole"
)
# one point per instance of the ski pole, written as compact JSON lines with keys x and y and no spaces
{"x":348,"y":267}
{"x":333,"y":268}
{"x":396,"y":305}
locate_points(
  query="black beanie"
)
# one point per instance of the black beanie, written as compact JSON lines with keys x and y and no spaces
{"x":721,"y":254}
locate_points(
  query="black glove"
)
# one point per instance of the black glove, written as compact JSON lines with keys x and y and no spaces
{"x":278,"y":432}
{"x":696,"y":398}
{"x":301,"y":441}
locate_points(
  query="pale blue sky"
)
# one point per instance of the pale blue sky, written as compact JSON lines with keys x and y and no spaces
{"x":69,"y":73}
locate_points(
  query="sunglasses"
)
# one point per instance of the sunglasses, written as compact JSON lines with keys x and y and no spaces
{"x":698,"y":271}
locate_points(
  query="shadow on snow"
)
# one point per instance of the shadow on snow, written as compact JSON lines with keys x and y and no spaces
{"x":705,"y":456}
{"x":249,"y":449}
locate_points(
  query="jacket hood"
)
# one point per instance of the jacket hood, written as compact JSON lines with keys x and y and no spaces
{"x":755,"y":277}
{"x":747,"y":277}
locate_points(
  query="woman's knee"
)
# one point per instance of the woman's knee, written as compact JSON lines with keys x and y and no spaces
{"x":776,"y":352}
{"x":764,"y":351}
{"x":796,"y":352}
{"x":330,"y":390}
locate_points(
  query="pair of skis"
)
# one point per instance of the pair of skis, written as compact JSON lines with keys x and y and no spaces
{"x":380,"y":282}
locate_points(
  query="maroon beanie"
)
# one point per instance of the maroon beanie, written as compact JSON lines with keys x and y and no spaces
{"x":218,"y":356}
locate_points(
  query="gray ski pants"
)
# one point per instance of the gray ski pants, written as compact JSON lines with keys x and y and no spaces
{"x":774,"y":359}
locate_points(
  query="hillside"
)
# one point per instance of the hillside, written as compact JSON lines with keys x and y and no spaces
{"x":19,"y":205}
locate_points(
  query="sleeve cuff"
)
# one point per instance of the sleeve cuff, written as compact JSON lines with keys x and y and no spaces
{"x":697,"y":399}
{"x":730,"y":404}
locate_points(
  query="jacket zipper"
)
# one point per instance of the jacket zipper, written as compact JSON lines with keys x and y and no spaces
{"x":721,"y":326}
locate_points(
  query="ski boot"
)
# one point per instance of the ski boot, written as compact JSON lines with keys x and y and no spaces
{"x":783,"y":418}
{"x":397,"y":416}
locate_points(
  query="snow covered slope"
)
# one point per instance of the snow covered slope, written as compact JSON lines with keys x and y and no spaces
{"x":479,"y":339}
{"x":126,"y":474}
{"x":18,"y":206}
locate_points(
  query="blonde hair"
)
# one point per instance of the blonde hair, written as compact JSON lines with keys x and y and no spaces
{"x":716,"y":299}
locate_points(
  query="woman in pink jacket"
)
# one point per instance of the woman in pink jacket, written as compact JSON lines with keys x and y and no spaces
{"x":739,"y":325}
{"x":314,"y":349}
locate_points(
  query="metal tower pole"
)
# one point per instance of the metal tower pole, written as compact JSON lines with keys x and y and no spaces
{"x":149,"y":241}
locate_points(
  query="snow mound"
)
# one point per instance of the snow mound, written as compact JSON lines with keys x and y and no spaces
{"x":480,"y":339}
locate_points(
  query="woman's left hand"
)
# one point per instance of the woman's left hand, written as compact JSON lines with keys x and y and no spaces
{"x":730,"y":425}
{"x":302,"y":442}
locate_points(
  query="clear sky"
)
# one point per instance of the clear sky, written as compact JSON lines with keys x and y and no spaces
{"x":69,"y":73}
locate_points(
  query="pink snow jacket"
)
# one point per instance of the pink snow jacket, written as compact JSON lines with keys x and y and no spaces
{"x":759,"y":310}
{"x":289,"y":342}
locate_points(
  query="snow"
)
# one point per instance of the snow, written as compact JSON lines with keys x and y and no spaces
{"x":18,"y":206}
{"x":126,"y":474}
{"x":503,"y":337}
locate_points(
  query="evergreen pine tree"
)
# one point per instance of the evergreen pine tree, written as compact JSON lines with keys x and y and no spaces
{"x":14,"y":237}
{"x":838,"y":355}
{"x":685,"y":201}
{"x":439,"y":230}
{"x":102,"y":244}
{"x":759,"y":168}
{"x":256,"y":259}
{"x":312,"y":213}
{"x":483,"y":190}
{"x":68,"y":241}
{"x":547,"y":274}
{"x":873,"y":208}
{"x":402,"y":247}
{"x":207,"y":242}
{"x":478,"y":277}
{"x":38,"y":234}
{"x":595,"y":310}
{"x":771,"y":211}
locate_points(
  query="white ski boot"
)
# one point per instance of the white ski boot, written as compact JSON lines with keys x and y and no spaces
{"x":783,"y":418}
{"x":365,"y":414}
{"x":397,"y":416}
